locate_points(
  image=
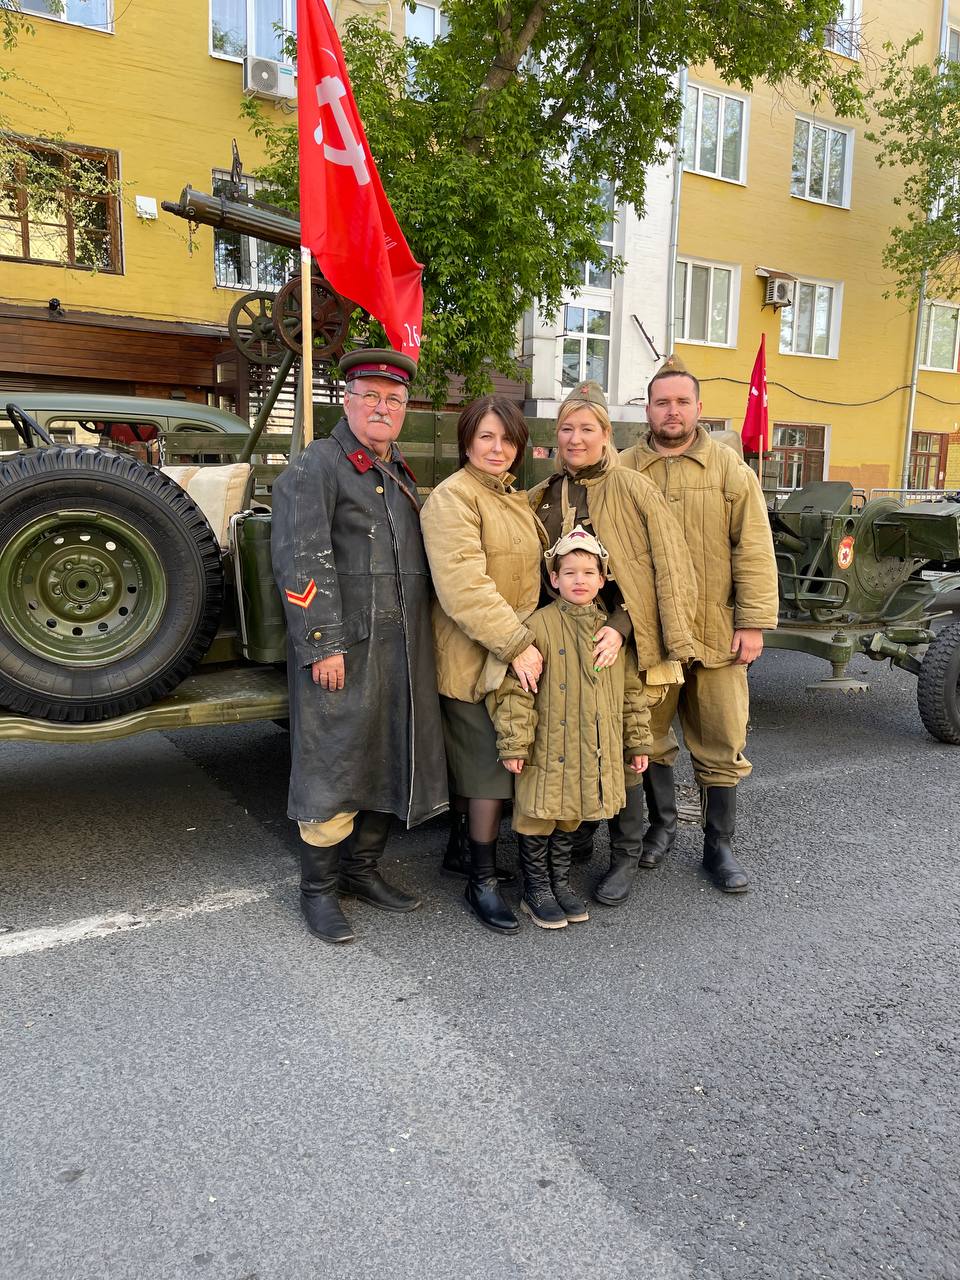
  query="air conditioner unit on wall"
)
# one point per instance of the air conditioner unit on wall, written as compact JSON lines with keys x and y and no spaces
{"x":779,"y":292}
{"x":265,"y":78}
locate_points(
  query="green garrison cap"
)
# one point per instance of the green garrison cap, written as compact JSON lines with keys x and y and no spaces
{"x":589,"y":392}
{"x":378,"y":362}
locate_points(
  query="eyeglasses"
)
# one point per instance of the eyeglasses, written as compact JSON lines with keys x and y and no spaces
{"x":372,"y":400}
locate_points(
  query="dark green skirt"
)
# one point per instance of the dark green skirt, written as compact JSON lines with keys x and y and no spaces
{"x":471,"y":743}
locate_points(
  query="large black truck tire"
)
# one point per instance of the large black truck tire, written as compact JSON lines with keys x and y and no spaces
{"x":938,"y":686}
{"x":111,"y":584}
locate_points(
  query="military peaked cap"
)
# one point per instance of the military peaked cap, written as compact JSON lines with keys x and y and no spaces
{"x":378,"y":362}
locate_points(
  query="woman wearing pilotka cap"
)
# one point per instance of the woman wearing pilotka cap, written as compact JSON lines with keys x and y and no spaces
{"x":653,"y":594}
{"x":484,"y":546}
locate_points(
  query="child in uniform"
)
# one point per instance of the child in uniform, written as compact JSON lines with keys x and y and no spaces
{"x":567,"y":742}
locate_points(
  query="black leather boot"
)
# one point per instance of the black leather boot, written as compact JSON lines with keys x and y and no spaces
{"x":538,"y":901}
{"x":626,"y":842}
{"x":583,"y":841}
{"x":483,"y":890}
{"x":318,"y":893}
{"x":719,"y":823}
{"x":660,"y":789}
{"x":562,"y":844}
{"x":456,"y":858}
{"x":359,"y":877}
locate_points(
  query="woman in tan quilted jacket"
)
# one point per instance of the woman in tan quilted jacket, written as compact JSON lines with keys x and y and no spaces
{"x":652,"y":598}
{"x":484,"y":546}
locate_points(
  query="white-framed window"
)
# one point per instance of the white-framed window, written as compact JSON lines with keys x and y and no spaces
{"x":425,"y":22}
{"x":843,"y":34}
{"x":810,"y":326}
{"x":97,"y":14}
{"x":601,"y":277}
{"x":715,"y":133}
{"x":243,"y":262}
{"x":242,"y":27}
{"x":585,"y":350}
{"x":953,"y":45}
{"x":822,"y":162}
{"x":705,"y":302}
{"x":940,"y":336}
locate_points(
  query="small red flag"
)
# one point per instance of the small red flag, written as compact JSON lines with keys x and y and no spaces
{"x":755,"y":433}
{"x":345,"y":217}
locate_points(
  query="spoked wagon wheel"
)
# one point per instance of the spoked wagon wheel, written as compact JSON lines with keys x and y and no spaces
{"x":331,"y":318}
{"x":252,"y":330}
{"x":938,"y":686}
{"x":111,"y":584}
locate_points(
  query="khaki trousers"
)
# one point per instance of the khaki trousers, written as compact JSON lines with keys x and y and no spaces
{"x":713,"y":704}
{"x":324,"y":834}
{"x":527,"y":825}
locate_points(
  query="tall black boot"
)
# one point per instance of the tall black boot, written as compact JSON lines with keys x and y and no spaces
{"x":561,"y":847}
{"x":626,"y":842}
{"x":318,"y":892}
{"x":483,"y":890}
{"x":359,"y":877}
{"x":660,"y":790}
{"x":538,"y":901}
{"x":583,"y":841}
{"x":456,"y":858}
{"x":719,"y":823}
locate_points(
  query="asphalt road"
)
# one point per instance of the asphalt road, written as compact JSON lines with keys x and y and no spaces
{"x":691,"y":1086}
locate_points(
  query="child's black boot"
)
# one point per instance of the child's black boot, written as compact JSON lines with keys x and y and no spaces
{"x":538,"y":901}
{"x":560,"y":856}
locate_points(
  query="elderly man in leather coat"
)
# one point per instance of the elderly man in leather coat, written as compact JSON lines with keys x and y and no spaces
{"x":348,"y":558}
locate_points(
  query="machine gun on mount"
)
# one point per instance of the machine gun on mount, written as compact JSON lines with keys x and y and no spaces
{"x":871,"y":579}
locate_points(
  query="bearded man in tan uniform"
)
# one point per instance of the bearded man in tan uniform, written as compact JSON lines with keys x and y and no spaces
{"x":720,"y":505}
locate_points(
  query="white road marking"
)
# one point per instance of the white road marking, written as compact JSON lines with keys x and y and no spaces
{"x":61,"y":935}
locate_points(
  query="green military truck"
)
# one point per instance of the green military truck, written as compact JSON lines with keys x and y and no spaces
{"x":136,"y":589}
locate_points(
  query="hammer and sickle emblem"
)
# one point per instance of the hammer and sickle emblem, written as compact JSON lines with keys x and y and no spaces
{"x":330,"y":91}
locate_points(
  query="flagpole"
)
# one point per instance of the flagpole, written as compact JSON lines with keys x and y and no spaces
{"x":306,"y":330}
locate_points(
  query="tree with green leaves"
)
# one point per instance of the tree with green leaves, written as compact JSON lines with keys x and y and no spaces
{"x":915,"y":111}
{"x":492,"y":142}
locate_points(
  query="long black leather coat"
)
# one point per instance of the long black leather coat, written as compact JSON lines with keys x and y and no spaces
{"x":349,"y":561}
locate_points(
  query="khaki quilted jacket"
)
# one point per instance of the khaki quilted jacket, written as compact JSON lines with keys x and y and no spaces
{"x":576,"y":730}
{"x":718,"y":500}
{"x":648,"y":558}
{"x":484,"y":545}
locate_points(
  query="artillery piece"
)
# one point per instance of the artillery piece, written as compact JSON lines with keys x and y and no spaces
{"x":858,"y":579}
{"x":264,"y":326}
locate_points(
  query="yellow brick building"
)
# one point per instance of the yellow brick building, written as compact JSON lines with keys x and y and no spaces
{"x":770,"y":184}
{"x":153,"y":90}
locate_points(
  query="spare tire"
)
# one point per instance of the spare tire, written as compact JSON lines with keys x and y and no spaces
{"x":111,"y":584}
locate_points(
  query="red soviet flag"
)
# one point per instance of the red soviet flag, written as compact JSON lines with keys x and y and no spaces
{"x":345,"y":217}
{"x":755,"y":433}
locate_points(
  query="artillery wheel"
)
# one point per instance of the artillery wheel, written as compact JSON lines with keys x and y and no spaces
{"x":111,"y":584}
{"x":252,"y":328}
{"x":938,"y":686}
{"x":331,"y":318}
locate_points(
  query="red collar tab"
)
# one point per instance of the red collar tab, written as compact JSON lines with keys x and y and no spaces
{"x":403,"y":462}
{"x":360,"y":461}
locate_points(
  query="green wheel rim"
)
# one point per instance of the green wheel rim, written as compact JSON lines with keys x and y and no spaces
{"x":84,"y":587}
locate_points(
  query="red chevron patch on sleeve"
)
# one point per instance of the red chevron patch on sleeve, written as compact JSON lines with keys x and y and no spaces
{"x":305,"y":597}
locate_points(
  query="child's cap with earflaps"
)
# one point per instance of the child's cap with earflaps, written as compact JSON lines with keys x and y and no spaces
{"x":578,"y":539}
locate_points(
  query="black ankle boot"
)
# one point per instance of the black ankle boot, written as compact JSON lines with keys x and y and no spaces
{"x":583,"y":842}
{"x":359,"y":877}
{"x":660,"y":789}
{"x":318,"y":892}
{"x":561,"y":847}
{"x":719,"y":823}
{"x":538,"y":901}
{"x":456,"y":857}
{"x":483,"y":891}
{"x":626,"y":836}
